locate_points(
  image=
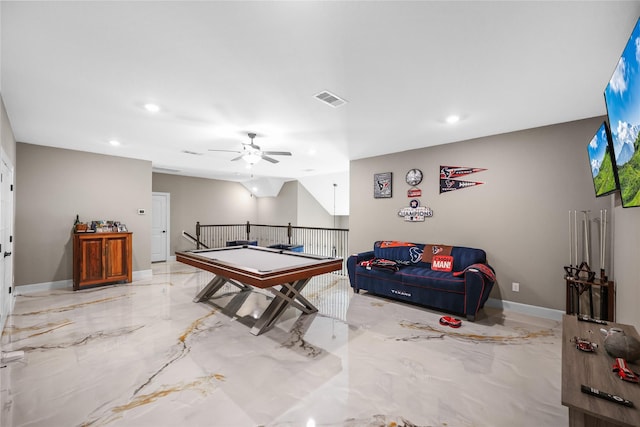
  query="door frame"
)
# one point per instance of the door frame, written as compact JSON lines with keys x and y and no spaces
{"x":167,"y":197}
{"x":7,"y":301}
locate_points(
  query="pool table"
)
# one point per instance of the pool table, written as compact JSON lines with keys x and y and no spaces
{"x":283,"y":273}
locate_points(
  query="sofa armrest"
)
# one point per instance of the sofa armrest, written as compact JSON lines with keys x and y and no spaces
{"x":352,"y":264}
{"x":478,"y":285}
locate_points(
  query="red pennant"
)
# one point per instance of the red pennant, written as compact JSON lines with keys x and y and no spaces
{"x":447,"y":172}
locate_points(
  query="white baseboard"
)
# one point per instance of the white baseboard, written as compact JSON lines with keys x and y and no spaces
{"x":68,"y":284}
{"x":44,"y":286}
{"x":142,"y":275}
{"x":12,"y":302}
{"x":546,"y":313}
{"x":170,"y":258}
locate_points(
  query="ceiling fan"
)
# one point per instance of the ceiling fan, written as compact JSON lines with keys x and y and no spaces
{"x":252,"y":154}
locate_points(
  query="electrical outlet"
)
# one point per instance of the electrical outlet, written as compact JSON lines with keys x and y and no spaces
{"x":515,"y":287}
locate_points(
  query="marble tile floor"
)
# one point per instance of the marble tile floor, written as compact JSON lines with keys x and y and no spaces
{"x":144,"y":354}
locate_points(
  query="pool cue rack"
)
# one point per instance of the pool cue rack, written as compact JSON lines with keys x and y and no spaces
{"x":579,"y":277}
{"x":577,"y":285}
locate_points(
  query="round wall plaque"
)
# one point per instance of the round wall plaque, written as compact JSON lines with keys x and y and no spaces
{"x":414,"y":177}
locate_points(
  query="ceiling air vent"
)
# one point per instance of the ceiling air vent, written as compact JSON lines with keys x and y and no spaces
{"x":193,"y":153}
{"x":330,"y":98}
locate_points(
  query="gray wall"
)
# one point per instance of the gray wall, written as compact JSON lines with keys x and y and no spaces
{"x":280,"y":210}
{"x":626,"y":243}
{"x":53,"y":185}
{"x":342,"y":221}
{"x":519,"y":216}
{"x":294,"y":204}
{"x":206,"y":200}
{"x":310,"y":212}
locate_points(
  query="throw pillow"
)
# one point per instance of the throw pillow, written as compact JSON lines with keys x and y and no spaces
{"x":431,"y":250}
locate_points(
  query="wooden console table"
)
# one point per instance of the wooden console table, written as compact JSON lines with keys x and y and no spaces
{"x":594,"y":370}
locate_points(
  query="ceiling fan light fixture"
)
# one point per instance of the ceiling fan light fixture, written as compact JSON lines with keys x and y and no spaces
{"x":252,"y":154}
{"x":252,"y":158}
{"x":152,"y":108}
{"x":453,"y":118}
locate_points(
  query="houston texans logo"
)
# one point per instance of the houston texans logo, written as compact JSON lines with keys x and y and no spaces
{"x":436,"y":250}
{"x":383,"y":184}
{"x":415,"y":253}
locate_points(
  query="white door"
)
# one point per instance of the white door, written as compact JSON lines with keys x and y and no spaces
{"x":6,"y":238}
{"x":159,"y":227}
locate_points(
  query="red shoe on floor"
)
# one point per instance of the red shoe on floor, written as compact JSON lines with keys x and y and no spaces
{"x":450,"y":321}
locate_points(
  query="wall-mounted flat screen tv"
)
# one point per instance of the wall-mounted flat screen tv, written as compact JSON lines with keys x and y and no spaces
{"x":622,"y":96}
{"x":603,"y":171}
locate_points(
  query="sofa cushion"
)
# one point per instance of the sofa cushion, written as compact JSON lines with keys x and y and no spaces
{"x":427,"y":278}
{"x":401,"y":252}
{"x":464,"y":257}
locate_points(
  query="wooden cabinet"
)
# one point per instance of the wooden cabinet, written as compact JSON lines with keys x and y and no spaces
{"x":101,"y":258}
{"x":595,"y":370}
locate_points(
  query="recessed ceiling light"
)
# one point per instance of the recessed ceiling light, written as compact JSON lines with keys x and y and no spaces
{"x":452,"y":119}
{"x":152,"y":108}
{"x":254,"y":189}
{"x":114,"y":142}
{"x":312,"y":152}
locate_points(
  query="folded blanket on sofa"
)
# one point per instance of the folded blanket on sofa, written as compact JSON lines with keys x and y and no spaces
{"x":381,"y":264}
{"x":482,"y":268}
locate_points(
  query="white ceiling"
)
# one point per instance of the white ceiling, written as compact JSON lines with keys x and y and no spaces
{"x":77,"y":74}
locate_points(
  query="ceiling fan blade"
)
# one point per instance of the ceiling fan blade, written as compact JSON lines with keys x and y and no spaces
{"x":277,"y":153}
{"x":226,"y":151}
{"x":237,"y":158}
{"x":269,"y":159}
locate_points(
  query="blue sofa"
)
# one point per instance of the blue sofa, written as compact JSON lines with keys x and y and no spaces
{"x":406,"y":274}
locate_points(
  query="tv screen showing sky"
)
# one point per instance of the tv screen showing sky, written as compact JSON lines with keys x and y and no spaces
{"x":602,"y":169}
{"x":622,"y":96}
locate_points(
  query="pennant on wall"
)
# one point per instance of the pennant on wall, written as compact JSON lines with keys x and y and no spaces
{"x":447,"y":172}
{"x":447,"y":185}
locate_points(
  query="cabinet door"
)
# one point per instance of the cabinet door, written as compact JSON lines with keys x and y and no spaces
{"x":91,"y":260}
{"x":116,"y":257}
